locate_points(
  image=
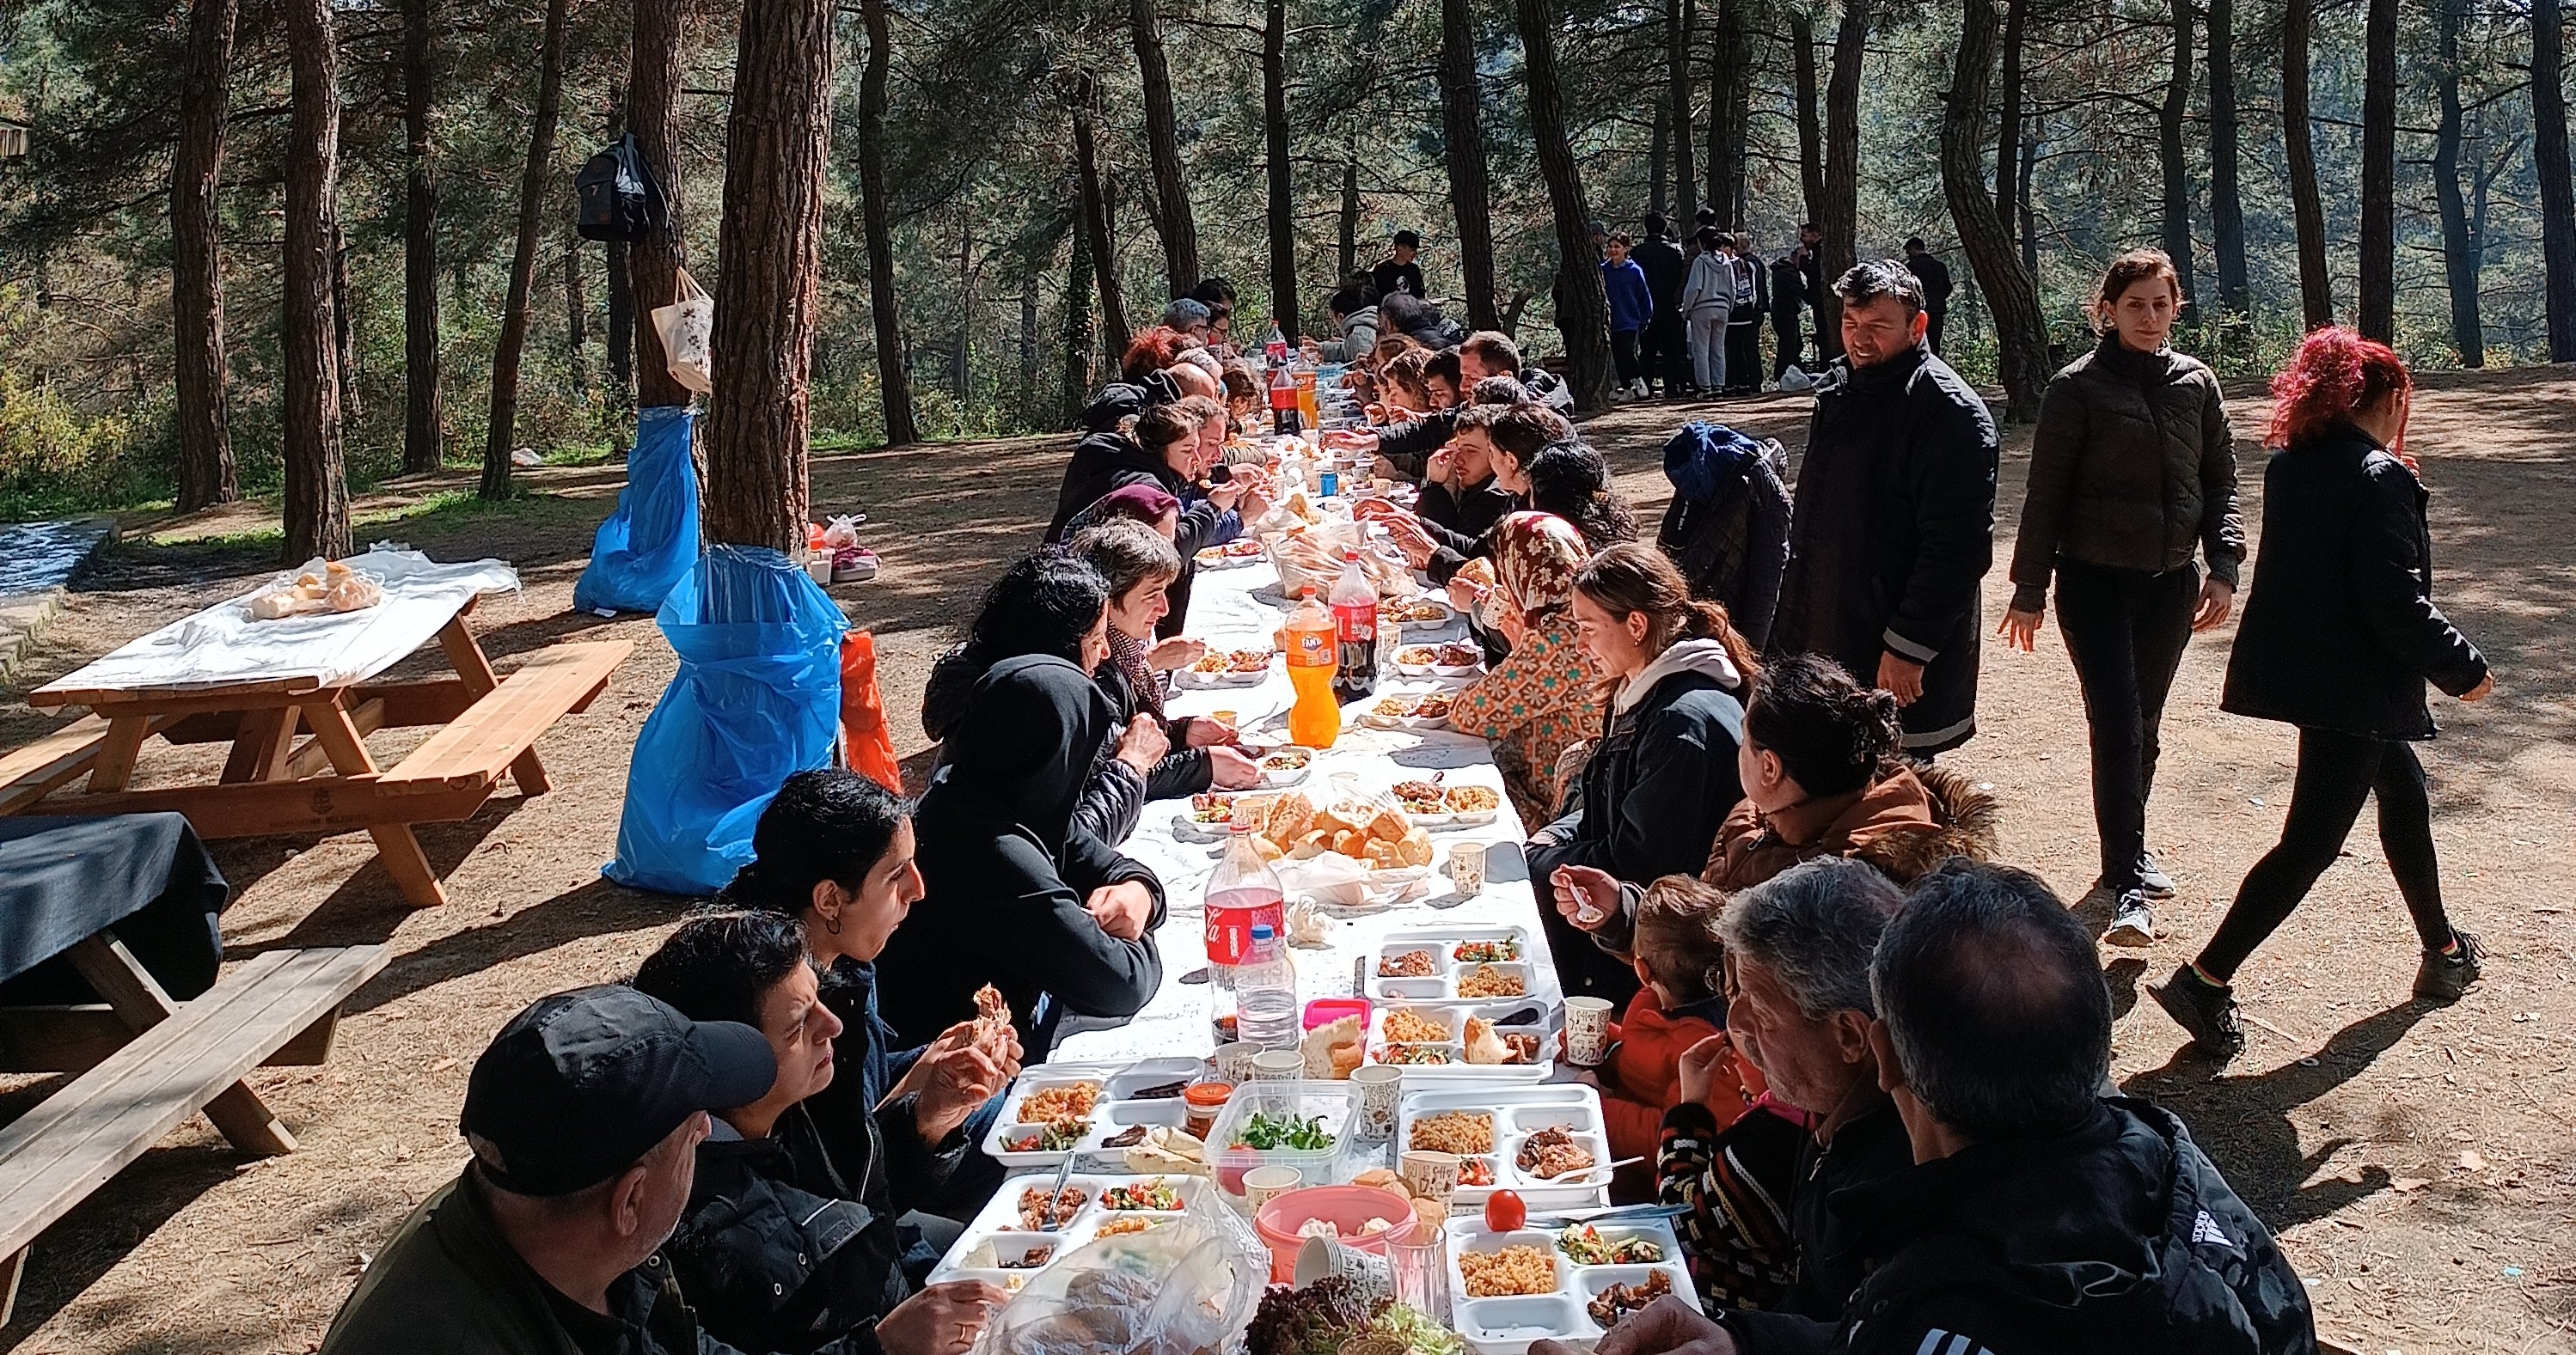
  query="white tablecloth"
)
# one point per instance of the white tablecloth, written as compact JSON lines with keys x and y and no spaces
{"x":1239,"y":608}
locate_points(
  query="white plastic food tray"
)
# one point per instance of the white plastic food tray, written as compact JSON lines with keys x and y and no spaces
{"x":998,"y":1234}
{"x":1117,"y":1109}
{"x":1517,"y":1112}
{"x":1507,"y":1325}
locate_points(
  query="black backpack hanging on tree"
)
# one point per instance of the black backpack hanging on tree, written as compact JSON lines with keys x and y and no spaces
{"x":619,"y":198}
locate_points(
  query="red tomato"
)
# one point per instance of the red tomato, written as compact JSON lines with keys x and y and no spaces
{"x":1504,"y":1212}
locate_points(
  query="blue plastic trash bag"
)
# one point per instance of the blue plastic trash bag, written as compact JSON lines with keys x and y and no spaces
{"x":757,"y":697}
{"x":652,"y":537}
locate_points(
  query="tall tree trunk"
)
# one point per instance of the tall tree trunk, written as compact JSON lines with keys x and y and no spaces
{"x":1811,"y":127}
{"x":1841,"y":218}
{"x":2171,"y":157}
{"x":2377,"y":316}
{"x":344,"y":321}
{"x":1095,"y":216}
{"x":894,"y":374}
{"x":1658,"y":146}
{"x":2549,"y":164}
{"x":1080,"y":340}
{"x":1583,"y":308}
{"x":317,"y":486}
{"x":653,"y":114}
{"x":769,"y":274}
{"x":2226,"y":201}
{"x":1730,"y":104}
{"x":1462,"y":145}
{"x":961,"y":377}
{"x":423,"y":440}
{"x":1680,"y":18}
{"x":1163,"y":140}
{"x":2460,"y":245}
{"x":2028,"y":230}
{"x":621,"y":322}
{"x":1029,"y":334}
{"x":503,"y":433}
{"x":1282,"y":205}
{"x":2008,"y":121}
{"x":2020,"y":329}
{"x":1347,"y":248}
{"x":206,"y":474}
{"x":2307,"y":205}
{"x":576,"y":315}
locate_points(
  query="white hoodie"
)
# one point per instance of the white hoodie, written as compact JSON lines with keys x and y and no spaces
{"x":1692,"y":656}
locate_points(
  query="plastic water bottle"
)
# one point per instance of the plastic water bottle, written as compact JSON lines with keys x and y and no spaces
{"x":1266,"y":993}
{"x":1355,"y":627}
{"x":1243,"y":894}
{"x":1275,"y":348}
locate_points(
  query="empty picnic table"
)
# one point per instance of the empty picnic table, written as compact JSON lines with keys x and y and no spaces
{"x":221,"y":676}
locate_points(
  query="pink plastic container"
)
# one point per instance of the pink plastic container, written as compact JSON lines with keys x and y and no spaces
{"x":1324,"y":1011}
{"x":1349,"y":1208}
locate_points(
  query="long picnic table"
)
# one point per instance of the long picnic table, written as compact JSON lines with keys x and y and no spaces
{"x":220,"y":676}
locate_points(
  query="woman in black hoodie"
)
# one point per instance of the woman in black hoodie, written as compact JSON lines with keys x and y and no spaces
{"x":2340,"y":635}
{"x":1165,"y":447}
{"x":1019,"y":895}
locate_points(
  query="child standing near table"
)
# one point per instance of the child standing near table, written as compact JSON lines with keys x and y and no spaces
{"x":1676,"y":955}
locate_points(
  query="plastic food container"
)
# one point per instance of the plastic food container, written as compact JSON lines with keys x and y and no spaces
{"x":1350,"y":1209}
{"x":1324,"y":1011}
{"x":1335,"y":1104}
{"x":1204,"y":1103}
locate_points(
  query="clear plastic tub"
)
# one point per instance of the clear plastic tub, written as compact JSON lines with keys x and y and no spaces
{"x":1334,"y":1104}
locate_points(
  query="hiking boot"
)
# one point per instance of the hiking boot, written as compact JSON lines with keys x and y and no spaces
{"x":2152,"y":878}
{"x":2132,"y":922}
{"x":2443,"y":978}
{"x":2205,"y":1009}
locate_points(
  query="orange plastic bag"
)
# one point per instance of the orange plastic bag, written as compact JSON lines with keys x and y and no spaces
{"x":866,"y":743}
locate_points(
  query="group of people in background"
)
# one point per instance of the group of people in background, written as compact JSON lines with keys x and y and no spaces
{"x":1870,"y":1061}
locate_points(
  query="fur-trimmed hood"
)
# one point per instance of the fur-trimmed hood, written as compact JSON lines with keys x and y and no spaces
{"x":1906,"y":822}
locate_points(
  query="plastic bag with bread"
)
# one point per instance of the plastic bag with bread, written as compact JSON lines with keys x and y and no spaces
{"x":335,"y":587}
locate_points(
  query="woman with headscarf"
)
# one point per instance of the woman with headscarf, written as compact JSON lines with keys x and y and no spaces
{"x":1016,"y":894}
{"x":1540,"y":699}
{"x":1147,"y":504}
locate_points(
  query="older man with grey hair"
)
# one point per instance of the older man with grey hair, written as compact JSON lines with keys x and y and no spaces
{"x":1796,"y":981}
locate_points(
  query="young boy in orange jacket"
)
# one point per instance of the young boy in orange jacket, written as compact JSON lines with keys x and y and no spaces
{"x":1676,"y":955}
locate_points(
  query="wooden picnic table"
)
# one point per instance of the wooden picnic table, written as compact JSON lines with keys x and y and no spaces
{"x":299,"y":761}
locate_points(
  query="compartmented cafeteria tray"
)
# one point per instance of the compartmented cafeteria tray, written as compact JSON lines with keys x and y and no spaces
{"x":1460,"y":964}
{"x":1015,"y":1236}
{"x":1403,"y":1034}
{"x":1509,"y":1289}
{"x":1513,"y":1138}
{"x":1032,"y":1133}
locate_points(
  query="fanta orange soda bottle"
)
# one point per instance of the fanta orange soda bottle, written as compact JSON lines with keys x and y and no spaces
{"x":1315,"y":720}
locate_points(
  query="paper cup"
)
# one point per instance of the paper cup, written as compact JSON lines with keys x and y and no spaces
{"x":1371,"y":1277}
{"x":1261,"y":1183}
{"x":1587,"y":1030}
{"x":1467,"y":868}
{"x":1234,"y":1061}
{"x":1278,"y":1065}
{"x":1431,"y":1176}
{"x":1381,"y":1087}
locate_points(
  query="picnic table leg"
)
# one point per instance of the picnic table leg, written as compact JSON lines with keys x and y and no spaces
{"x":466,"y":657}
{"x":125,"y":736}
{"x":139,"y":1001}
{"x":395,"y":844}
{"x":259,"y":750}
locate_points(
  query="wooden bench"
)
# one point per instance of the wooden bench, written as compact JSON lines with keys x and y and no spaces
{"x":183,"y":1058}
{"x":495,"y":733}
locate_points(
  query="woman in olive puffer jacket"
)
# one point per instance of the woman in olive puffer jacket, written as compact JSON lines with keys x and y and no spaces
{"x":2132,"y":473}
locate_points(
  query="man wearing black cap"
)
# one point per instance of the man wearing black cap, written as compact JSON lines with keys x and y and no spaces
{"x":584,"y":1117}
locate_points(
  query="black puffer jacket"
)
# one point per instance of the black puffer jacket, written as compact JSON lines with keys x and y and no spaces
{"x":2340,"y":630}
{"x":1892,"y":530}
{"x":2117,"y":1237}
{"x":2133,"y":467}
{"x":1122,"y":400}
{"x":1106,"y":461}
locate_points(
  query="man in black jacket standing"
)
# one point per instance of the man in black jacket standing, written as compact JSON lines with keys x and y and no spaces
{"x":2040,"y":1216}
{"x":1935,"y":277}
{"x":1894,"y":519}
{"x":1664,"y":357}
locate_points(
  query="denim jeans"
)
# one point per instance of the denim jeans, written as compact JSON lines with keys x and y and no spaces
{"x":2126,"y":630}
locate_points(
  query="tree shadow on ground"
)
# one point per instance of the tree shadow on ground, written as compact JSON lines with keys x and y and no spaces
{"x":83,"y":1245}
{"x":2243,"y":1120}
{"x":588,"y":910}
{"x":366,"y":906}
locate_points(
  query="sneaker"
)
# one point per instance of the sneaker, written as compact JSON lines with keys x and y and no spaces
{"x":2152,"y":879}
{"x":2205,"y":1009}
{"x":2443,"y":978}
{"x":2132,"y":923}
{"x":1641,"y":391}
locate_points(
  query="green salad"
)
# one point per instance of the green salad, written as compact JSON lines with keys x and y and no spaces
{"x":1266,"y":1132}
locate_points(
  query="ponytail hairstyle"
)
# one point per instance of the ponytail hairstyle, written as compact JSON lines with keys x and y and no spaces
{"x":2335,"y":375}
{"x":826,"y":824}
{"x":2126,"y":271}
{"x":1831,"y":734}
{"x":1629,"y":577}
{"x":1572,"y":481}
{"x":1677,"y":937}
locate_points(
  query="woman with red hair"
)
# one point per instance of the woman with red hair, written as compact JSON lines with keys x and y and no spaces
{"x":2340,"y":635}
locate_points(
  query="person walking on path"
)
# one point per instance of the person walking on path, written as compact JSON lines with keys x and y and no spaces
{"x":1893,"y":523}
{"x":2340,"y":635}
{"x":2132,"y":470}
{"x":1707,"y":299}
{"x":1632,"y":308}
{"x":1665,"y":352}
{"x":1935,"y":277}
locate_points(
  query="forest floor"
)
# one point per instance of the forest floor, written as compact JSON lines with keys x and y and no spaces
{"x":2418,"y":1161}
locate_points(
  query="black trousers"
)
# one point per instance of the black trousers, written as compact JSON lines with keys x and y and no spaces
{"x":2126,"y":630}
{"x":2336,"y":772}
{"x":1623,"y":354}
{"x":1744,"y":352}
{"x":1663,"y":352}
{"x":1940,"y":316}
{"x":1791,"y":346}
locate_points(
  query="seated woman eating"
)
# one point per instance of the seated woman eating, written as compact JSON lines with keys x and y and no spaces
{"x":834,"y":850}
{"x":1138,"y":566}
{"x":786,"y":1244}
{"x":1019,"y":894}
{"x":1662,"y":775}
{"x":1540,"y":698}
{"x":1168,"y":447}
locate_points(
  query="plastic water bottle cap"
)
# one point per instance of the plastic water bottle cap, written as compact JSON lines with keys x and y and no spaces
{"x":1261,"y":931}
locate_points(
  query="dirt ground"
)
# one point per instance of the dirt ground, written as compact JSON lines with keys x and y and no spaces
{"x":2417,"y":1161}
